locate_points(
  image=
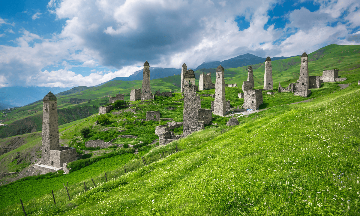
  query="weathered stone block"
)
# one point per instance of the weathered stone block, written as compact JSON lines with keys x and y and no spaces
{"x":152,"y":116}
{"x":268,"y":81}
{"x":232,"y":122}
{"x":231,"y":85}
{"x":219,"y":102}
{"x":241,"y":95}
{"x":205,"y":82}
{"x":253,"y":99}
{"x":117,"y":97}
{"x":135,"y":94}
{"x":329,"y":75}
{"x":105,"y":109}
{"x":340,"y":79}
{"x":315,"y":82}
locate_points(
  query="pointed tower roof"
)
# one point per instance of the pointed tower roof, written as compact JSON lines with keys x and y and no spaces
{"x":250,"y":67}
{"x":146,"y":63}
{"x":268,"y":58}
{"x":184,"y":65}
{"x":50,"y":97}
{"x":304,"y":55}
{"x":219,"y":68}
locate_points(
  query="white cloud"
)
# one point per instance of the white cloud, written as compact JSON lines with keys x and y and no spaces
{"x":35,"y":16}
{"x":10,"y":31}
{"x":89,"y":63}
{"x":2,"y":21}
{"x":2,"y":35}
{"x":66,"y":78}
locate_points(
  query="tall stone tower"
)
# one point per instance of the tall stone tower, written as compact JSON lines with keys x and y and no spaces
{"x":50,"y":130}
{"x":250,"y":76}
{"x":220,"y":103}
{"x":146,"y":91}
{"x":183,"y":71}
{"x":302,"y":85}
{"x":268,"y":81}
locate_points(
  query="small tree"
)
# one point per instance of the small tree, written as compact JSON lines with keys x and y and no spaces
{"x":119,"y":104}
{"x":103,"y":119}
{"x":85,"y":132}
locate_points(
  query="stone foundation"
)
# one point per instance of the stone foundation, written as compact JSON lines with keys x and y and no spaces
{"x":253,"y":99}
{"x":315,"y":82}
{"x":117,"y":97}
{"x":105,"y":109}
{"x":135,"y":94}
{"x":329,"y":75}
{"x":152,"y":116}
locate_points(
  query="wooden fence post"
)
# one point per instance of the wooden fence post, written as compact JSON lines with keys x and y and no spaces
{"x":163,"y":154}
{"x":176,"y":148}
{"x":105,"y":177}
{"x":53,"y":196}
{"x":23,"y":207}
{"x":84,"y":186}
{"x":125,"y":169}
{"x":93,"y":182}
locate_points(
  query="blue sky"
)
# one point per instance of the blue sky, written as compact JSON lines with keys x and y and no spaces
{"x":67,"y":43}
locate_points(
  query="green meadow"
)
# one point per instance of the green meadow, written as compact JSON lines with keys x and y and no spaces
{"x":290,"y":159}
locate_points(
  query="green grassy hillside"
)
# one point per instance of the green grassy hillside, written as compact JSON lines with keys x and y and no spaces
{"x":288,"y":159}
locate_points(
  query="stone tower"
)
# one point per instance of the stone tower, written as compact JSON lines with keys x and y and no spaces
{"x":183,"y":71}
{"x":146,"y":91}
{"x":302,"y":85}
{"x":50,"y":130}
{"x":249,"y":84}
{"x":268,"y":81}
{"x":220,"y":103}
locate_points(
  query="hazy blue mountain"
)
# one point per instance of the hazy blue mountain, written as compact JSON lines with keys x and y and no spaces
{"x":155,"y":73}
{"x":19,"y":96}
{"x":238,"y":61}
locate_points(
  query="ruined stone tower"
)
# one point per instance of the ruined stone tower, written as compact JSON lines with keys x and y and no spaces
{"x":146,"y":91}
{"x":50,"y":130}
{"x":268,"y":81}
{"x":302,"y":85}
{"x":249,"y":84}
{"x":183,"y":71}
{"x":205,"y":81}
{"x":220,"y":103}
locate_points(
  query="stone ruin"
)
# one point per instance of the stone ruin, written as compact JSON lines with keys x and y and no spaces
{"x":331,"y":76}
{"x":146,"y":91}
{"x":163,"y":94}
{"x":205,"y":82}
{"x":359,"y":82}
{"x":152,"y":115}
{"x":189,"y":78}
{"x":231,"y":85}
{"x":194,"y":117}
{"x":268,"y":81}
{"x":228,"y":106}
{"x":232,"y":122}
{"x":135,"y":94}
{"x":249,"y":84}
{"x":105,"y":109}
{"x":253,"y":99}
{"x":165,"y":134}
{"x":219,"y":102}
{"x":54,"y":157}
{"x":183,"y":71}
{"x":315,"y":82}
{"x":302,"y":85}
{"x":117,"y":97}
{"x":290,"y":88}
{"x":98,"y":143}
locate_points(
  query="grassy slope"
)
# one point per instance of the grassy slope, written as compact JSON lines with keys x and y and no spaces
{"x":352,"y":75}
{"x":255,"y":168}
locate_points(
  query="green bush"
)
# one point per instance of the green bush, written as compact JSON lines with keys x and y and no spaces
{"x":85,"y":132}
{"x":103,"y":119}
{"x":119,"y":104}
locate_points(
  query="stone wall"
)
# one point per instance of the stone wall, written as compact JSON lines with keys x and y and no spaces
{"x":146,"y":90}
{"x":227,"y":105}
{"x":340,"y":79}
{"x":247,"y":86}
{"x":205,"y":82}
{"x":67,"y":155}
{"x":45,"y":168}
{"x":97,"y":143}
{"x":106,"y":109}
{"x":268,"y":81}
{"x":253,"y":99}
{"x":135,"y":94}
{"x":189,"y":78}
{"x":163,"y":94}
{"x":329,"y":75}
{"x":290,"y":88}
{"x":205,"y":115}
{"x":231,"y":85}
{"x":314,"y":82}
{"x":219,"y":102}
{"x":117,"y":97}
{"x":241,"y":95}
{"x":152,"y":116}
{"x":164,"y":133}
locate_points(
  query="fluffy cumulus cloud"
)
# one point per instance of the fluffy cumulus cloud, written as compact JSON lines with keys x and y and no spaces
{"x":122,"y":34}
{"x":36,"y":15}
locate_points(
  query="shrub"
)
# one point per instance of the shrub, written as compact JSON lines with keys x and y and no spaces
{"x":85,"y":132}
{"x":103,"y":119}
{"x":119,"y":104}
